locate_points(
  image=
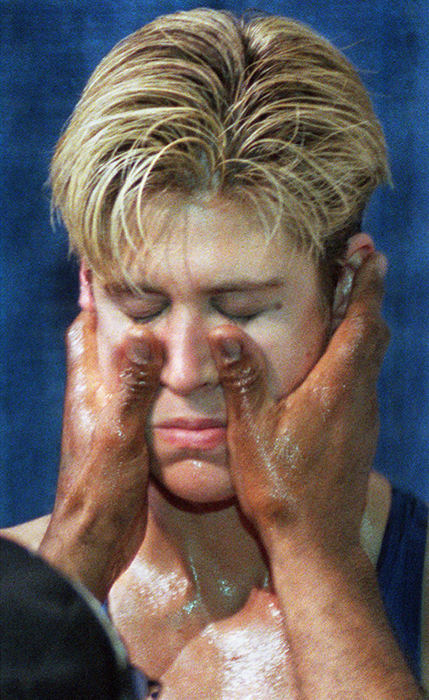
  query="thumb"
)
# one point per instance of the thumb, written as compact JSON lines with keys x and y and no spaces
{"x":140,"y":363}
{"x":242,"y":372}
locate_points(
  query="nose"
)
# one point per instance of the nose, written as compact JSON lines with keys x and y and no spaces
{"x":188,"y":363}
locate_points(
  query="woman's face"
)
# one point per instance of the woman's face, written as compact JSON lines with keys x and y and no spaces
{"x":211,"y":265}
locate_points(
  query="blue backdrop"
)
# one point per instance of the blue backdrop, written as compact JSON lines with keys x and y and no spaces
{"x":48,"y":49}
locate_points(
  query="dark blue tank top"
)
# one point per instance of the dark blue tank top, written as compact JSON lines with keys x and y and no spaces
{"x":400,"y":571}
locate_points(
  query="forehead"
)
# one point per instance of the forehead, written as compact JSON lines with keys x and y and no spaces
{"x":214,"y":243}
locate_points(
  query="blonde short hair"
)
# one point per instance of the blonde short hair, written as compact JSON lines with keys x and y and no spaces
{"x":203,"y":103}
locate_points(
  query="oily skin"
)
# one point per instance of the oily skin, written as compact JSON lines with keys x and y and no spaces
{"x":100,"y":511}
{"x":300,"y":467}
{"x":97,"y":345}
{"x":216,"y":268}
{"x":291,"y":474}
{"x":280,"y":449}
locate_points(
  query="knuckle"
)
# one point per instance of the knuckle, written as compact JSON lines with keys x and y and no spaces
{"x":138,"y":390}
{"x":142,"y":361}
{"x":242,"y":376}
{"x":137,"y":378}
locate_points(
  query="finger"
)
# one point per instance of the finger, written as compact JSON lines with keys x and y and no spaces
{"x":80,"y":388}
{"x":121,"y":417}
{"x":365,"y":332}
{"x":140,"y":364}
{"x":78,"y":335}
{"x":355,"y":352}
{"x":368,"y":285}
{"x":242,"y":371}
{"x":81,"y":354}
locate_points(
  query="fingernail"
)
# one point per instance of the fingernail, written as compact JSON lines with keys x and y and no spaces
{"x":231,"y":349}
{"x":358,"y":258}
{"x":355,"y":261}
{"x":139,"y":351}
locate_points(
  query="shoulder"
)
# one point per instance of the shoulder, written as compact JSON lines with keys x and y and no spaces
{"x":28,"y":534}
{"x":408,"y":548}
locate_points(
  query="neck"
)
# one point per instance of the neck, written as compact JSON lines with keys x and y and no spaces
{"x":215,"y":547}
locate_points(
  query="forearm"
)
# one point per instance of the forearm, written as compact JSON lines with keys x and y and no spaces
{"x":341,"y":641}
{"x":83,"y":548}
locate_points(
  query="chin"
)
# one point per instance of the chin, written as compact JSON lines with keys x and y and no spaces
{"x":196,"y":481}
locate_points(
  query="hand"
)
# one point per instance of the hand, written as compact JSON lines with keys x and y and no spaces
{"x":300,"y":468}
{"x":300,"y":465}
{"x":99,"y":517}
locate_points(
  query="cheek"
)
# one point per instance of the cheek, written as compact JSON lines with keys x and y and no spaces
{"x":291,"y":354}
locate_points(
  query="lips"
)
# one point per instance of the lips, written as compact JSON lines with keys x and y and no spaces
{"x":191,"y":433}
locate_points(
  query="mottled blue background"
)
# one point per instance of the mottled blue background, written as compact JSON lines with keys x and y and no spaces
{"x":48,"y":49}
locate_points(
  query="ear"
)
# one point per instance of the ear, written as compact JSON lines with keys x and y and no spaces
{"x":359,"y":247}
{"x":86,"y":295}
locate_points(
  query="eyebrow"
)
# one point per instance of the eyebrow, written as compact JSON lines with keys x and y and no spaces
{"x":244,"y":285}
{"x":121,"y":288}
{"x":247,"y":286}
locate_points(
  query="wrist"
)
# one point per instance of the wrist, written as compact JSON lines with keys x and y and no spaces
{"x":295,"y":542}
{"x":307,"y":569}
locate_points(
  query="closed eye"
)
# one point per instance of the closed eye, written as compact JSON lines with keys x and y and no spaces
{"x":145,"y":317}
{"x":244,"y":316}
{"x":145,"y":314}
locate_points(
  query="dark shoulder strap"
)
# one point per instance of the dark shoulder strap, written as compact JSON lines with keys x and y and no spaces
{"x":400,"y":571}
